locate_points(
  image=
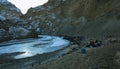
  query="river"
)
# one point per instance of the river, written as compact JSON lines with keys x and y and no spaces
{"x":33,"y":46}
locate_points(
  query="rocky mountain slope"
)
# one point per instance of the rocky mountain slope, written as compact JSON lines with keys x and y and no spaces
{"x":91,"y":18}
{"x":76,"y":17}
{"x":8,"y":10}
{"x":10,"y":22}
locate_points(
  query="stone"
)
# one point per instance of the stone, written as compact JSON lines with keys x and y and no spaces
{"x":2,"y":18}
{"x":17,"y":32}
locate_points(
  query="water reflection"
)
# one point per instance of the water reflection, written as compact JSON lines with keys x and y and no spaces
{"x":27,"y":53}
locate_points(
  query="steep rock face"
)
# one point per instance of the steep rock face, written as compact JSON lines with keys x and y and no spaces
{"x":3,"y":1}
{"x":9,"y":10}
{"x":17,"y":32}
{"x":4,"y":35}
{"x":62,"y":17}
{"x":11,"y":26}
{"x":76,"y":17}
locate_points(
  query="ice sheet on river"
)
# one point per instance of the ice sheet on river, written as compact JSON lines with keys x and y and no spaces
{"x":32,"y":47}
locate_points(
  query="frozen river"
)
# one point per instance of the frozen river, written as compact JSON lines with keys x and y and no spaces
{"x":31,"y":47}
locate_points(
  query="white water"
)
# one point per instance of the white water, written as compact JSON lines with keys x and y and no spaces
{"x":31,"y":47}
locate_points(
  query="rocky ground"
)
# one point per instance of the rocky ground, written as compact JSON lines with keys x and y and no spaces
{"x":105,"y":57}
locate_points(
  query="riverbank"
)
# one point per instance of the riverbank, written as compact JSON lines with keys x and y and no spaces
{"x":105,"y":57}
{"x":52,"y":50}
{"x":9,"y":63}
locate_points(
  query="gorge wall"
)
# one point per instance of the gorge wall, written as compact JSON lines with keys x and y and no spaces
{"x":76,"y":17}
{"x":11,"y":23}
{"x":91,"y":18}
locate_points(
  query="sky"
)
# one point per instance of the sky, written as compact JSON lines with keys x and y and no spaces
{"x":24,"y":5}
